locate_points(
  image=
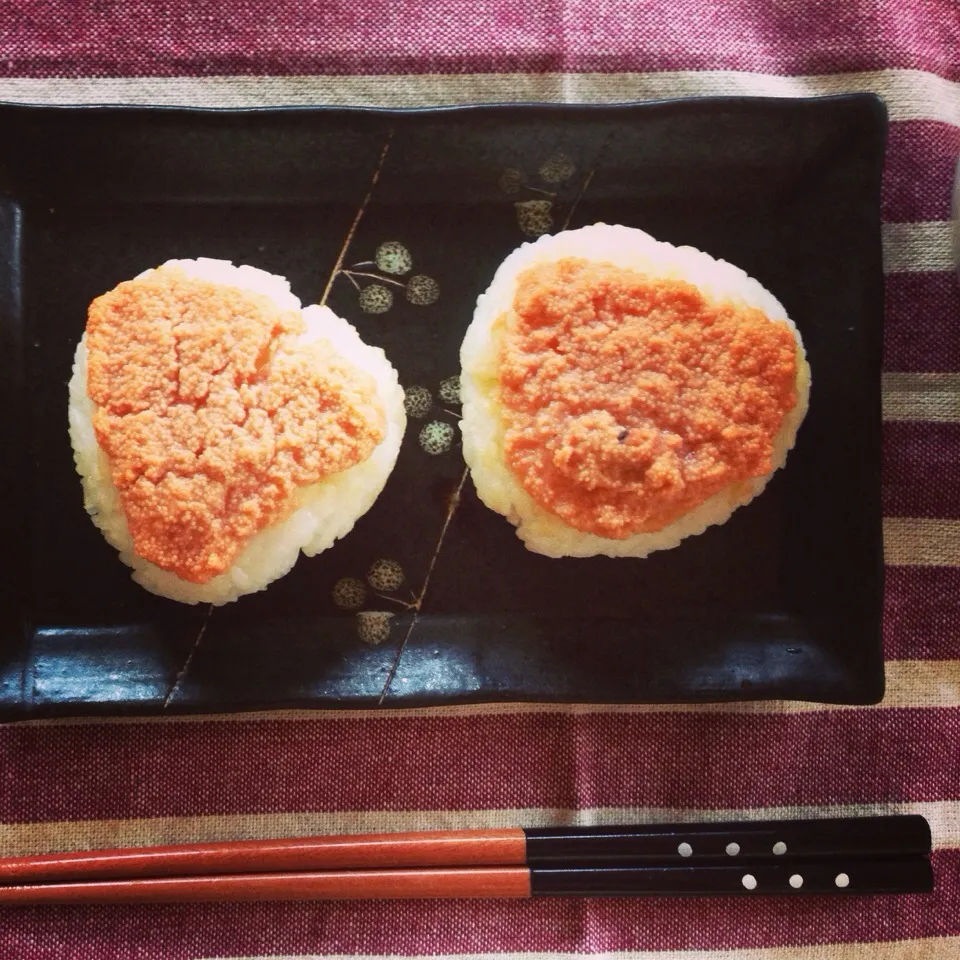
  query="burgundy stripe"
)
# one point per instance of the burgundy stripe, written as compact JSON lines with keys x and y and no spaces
{"x":922,"y":332}
{"x":922,"y":613}
{"x":921,"y":158}
{"x":74,"y":38}
{"x":533,"y":760}
{"x":454,"y":927}
{"x":921,"y":469}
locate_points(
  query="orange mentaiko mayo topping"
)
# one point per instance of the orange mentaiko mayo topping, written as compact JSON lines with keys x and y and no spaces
{"x":212,"y":417}
{"x":628,"y":400}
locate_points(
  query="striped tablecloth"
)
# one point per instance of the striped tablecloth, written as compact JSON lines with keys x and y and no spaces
{"x":71,"y":785}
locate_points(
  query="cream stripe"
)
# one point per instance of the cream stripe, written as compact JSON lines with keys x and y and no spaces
{"x":918,"y":247}
{"x":922,"y":396}
{"x":910,"y":683}
{"x":910,"y":94}
{"x":938,"y":948}
{"x":921,"y":542}
{"x":23,"y":839}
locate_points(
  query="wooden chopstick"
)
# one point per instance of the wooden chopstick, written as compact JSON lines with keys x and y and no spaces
{"x":444,"y":882}
{"x":824,"y":876}
{"x":664,"y":844}
{"x":439,"y":848}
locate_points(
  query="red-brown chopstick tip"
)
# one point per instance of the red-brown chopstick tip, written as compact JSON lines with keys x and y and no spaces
{"x":443,"y":883}
{"x":445,"y":848}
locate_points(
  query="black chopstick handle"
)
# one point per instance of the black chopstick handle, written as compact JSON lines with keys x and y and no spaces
{"x":689,"y":843}
{"x":846,"y":876}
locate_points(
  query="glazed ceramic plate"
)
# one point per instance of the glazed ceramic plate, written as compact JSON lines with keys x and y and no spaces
{"x":783,"y":601}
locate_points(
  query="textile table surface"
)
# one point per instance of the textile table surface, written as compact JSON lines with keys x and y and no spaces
{"x":79,"y":784}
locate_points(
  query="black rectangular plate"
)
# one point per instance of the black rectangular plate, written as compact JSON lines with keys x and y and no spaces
{"x":783,"y":601}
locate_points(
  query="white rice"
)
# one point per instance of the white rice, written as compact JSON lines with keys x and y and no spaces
{"x":482,"y":424}
{"x":325,"y":511}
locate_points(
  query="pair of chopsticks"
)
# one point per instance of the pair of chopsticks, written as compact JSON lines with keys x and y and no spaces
{"x":839,"y":856}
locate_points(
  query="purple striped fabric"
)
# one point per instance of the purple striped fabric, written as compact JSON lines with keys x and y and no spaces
{"x":451,"y":763}
{"x":921,"y":332}
{"x":921,"y":156}
{"x":921,"y":476}
{"x":285,"y":37}
{"x":83,"y":784}
{"x":921,"y":613}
